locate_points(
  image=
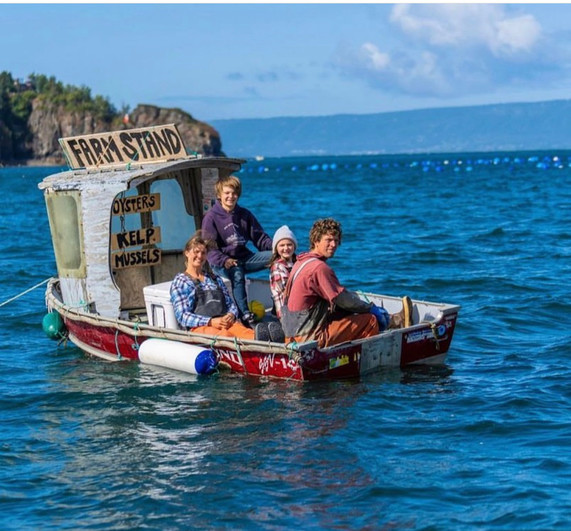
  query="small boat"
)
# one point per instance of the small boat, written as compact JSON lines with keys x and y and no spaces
{"x":119,"y":219}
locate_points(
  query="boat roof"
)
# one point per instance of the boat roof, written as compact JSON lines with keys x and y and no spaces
{"x":126,"y":173}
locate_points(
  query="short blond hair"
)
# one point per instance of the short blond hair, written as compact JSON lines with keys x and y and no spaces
{"x":232,"y":181}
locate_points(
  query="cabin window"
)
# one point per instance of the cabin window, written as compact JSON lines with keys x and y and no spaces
{"x":65,"y":226}
{"x":177,"y":225}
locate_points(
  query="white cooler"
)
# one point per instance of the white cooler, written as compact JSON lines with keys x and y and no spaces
{"x":159,"y":307}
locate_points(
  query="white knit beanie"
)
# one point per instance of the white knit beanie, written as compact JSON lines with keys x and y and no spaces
{"x":281,"y":234}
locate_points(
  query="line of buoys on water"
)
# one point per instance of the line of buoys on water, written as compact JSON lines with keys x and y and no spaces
{"x":545,"y":162}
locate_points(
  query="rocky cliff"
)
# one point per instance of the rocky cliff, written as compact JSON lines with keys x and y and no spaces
{"x":48,"y":122}
{"x":198,"y":136}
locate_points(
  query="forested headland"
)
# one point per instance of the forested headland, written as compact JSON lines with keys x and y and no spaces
{"x":36,"y":112}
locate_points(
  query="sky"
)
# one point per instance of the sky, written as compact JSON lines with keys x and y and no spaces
{"x":226,"y":61}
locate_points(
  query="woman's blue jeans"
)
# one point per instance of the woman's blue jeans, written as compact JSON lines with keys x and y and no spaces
{"x":237,"y":276}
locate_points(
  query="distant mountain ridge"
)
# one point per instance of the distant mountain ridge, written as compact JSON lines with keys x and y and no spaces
{"x":498,"y":127}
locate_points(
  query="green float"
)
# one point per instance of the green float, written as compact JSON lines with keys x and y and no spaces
{"x":53,"y":325}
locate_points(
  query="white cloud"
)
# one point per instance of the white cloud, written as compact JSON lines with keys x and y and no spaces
{"x":516,"y":35}
{"x":374,"y":57}
{"x":448,"y":50}
{"x":468,"y":25}
{"x":408,"y":73}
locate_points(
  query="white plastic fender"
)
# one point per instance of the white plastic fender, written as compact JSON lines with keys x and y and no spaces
{"x":193,"y":359}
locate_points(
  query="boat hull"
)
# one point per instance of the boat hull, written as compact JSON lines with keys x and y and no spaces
{"x":116,"y":230}
{"x":116,"y":340}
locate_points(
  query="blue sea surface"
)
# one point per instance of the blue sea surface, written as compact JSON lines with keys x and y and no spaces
{"x":482,"y":442}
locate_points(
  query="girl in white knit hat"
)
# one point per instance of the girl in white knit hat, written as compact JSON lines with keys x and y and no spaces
{"x":284,"y":245}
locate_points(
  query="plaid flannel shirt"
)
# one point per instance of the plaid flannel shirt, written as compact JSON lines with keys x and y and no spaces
{"x":183,"y":298}
{"x":279,"y":274}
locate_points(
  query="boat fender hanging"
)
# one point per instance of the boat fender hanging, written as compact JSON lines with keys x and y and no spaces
{"x":52,"y":325}
{"x":193,"y":359}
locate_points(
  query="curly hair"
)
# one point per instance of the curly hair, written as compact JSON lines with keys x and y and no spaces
{"x":322,"y":227}
{"x":230,"y":180}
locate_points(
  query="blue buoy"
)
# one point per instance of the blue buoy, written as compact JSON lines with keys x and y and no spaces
{"x":206,"y":362}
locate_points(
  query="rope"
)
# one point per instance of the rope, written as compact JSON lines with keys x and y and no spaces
{"x":290,"y":348}
{"x":63,"y":339}
{"x":136,"y":330}
{"x":435,"y":334}
{"x":117,"y":344}
{"x":217,"y":354}
{"x":296,"y":357}
{"x":24,"y":292}
{"x":238,"y":351}
{"x":212,"y":343}
{"x":364,"y":295}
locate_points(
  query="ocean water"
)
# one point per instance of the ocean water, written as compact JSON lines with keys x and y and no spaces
{"x":482,"y":442}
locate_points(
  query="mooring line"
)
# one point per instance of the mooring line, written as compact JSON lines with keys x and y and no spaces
{"x":24,"y":292}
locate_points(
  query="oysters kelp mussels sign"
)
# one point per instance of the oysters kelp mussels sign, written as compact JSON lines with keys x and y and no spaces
{"x":145,"y":145}
{"x":145,"y":238}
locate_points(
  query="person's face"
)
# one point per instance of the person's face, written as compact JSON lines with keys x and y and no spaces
{"x":285,"y":248}
{"x":327,"y":245}
{"x":196,"y":256}
{"x":228,"y":198}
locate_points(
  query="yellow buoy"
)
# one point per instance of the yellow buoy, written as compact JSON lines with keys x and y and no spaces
{"x":257,"y":308}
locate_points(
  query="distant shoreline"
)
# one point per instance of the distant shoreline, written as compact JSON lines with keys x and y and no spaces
{"x":481,"y":129}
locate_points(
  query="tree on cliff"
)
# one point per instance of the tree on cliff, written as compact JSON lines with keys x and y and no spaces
{"x":15,"y":108}
{"x":16,"y":105}
{"x":34,"y":113}
{"x":71,"y":97}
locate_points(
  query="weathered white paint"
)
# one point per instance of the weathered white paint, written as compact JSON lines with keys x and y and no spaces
{"x":98,"y":189}
{"x":96,"y":202}
{"x":74,"y":292}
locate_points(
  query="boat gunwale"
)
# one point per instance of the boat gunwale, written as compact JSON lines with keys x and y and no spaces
{"x":135,"y":328}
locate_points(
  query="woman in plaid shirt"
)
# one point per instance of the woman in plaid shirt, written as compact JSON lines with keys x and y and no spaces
{"x":200,"y":299}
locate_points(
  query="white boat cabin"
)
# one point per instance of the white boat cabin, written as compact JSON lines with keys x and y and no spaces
{"x":119,"y":219}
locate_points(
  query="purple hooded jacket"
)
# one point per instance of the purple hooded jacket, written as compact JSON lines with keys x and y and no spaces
{"x":231,"y":231}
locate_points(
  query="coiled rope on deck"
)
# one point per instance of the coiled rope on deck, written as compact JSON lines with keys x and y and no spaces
{"x":25,"y":292}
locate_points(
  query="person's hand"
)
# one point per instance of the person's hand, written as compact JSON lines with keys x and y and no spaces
{"x":224,"y":322}
{"x":382,"y":316}
{"x":230,"y":262}
{"x":216,"y":322}
{"x":227,"y":320}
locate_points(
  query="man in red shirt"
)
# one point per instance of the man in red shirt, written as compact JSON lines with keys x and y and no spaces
{"x":319,"y":308}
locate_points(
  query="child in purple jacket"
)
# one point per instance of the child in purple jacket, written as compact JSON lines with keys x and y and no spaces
{"x":231,"y":227}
